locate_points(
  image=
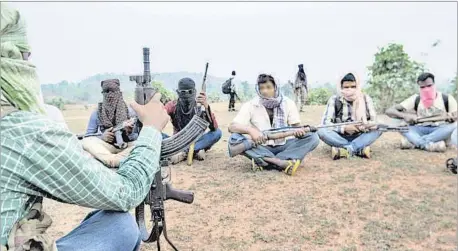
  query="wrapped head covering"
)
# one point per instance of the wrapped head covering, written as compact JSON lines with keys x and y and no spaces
{"x":19,"y":80}
{"x":356,"y":96}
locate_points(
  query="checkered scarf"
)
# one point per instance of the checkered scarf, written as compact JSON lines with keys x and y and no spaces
{"x":113,"y":110}
{"x":276,"y":103}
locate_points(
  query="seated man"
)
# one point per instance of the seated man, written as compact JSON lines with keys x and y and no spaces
{"x":271,"y":110}
{"x":42,"y":158}
{"x":350,"y":105}
{"x":429,"y":136}
{"x":99,"y":139}
{"x":181,"y":112}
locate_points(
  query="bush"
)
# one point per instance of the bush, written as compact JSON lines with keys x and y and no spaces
{"x":319,"y":96}
{"x":57,"y":102}
{"x":166,"y":94}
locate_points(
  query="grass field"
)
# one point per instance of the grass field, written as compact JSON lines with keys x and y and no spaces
{"x":398,"y":200}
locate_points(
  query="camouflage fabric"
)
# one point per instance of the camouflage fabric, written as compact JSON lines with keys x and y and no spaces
{"x":113,"y":110}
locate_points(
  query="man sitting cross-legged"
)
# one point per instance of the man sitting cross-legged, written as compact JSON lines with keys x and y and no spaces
{"x":268,"y":111}
{"x":351,"y":105}
{"x":99,"y":139}
{"x":181,"y":112}
{"x":429,"y":136}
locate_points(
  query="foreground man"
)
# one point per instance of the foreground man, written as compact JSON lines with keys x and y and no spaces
{"x":272,"y":110}
{"x":41,"y":158}
{"x":351,"y":105}
{"x":429,"y":136}
{"x":181,"y":112}
{"x":99,"y":139}
{"x":300,"y":88}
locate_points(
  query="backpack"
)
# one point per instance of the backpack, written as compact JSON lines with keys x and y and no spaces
{"x":444,"y":97}
{"x":226,"y":87}
{"x":339,"y":111}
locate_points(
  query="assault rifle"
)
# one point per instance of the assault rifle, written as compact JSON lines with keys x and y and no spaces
{"x":160,"y":189}
{"x":436,"y":118}
{"x":200,"y":112}
{"x":280,"y":133}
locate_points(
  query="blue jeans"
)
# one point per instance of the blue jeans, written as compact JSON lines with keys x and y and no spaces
{"x":293,"y":148}
{"x":103,"y":230}
{"x":420,"y":136}
{"x":353,"y":143}
{"x":206,"y":141}
{"x":454,"y":139}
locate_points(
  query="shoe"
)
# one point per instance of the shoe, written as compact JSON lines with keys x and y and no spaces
{"x":292,"y":167}
{"x":405,"y":144}
{"x":200,"y":155}
{"x":436,"y":147}
{"x":366,"y":152}
{"x":179,"y":157}
{"x":338,"y":153}
{"x":451,"y":165}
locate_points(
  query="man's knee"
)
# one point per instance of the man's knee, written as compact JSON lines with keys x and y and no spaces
{"x":312,"y":138}
{"x":127,"y":228}
{"x":88,"y":142}
{"x":324,"y":132}
{"x":216,"y":134}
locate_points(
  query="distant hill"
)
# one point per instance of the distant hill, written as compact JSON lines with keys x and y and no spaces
{"x":88,"y":90}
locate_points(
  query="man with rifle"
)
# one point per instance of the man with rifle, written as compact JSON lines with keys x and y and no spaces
{"x":350,"y":105}
{"x":271,"y":110}
{"x":430,"y":114}
{"x":300,"y":88}
{"x":41,"y":158}
{"x":100,"y":139}
{"x":181,"y":111}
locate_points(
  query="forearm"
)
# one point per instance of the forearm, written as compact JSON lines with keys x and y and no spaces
{"x":394,"y":113}
{"x":86,"y":182}
{"x":240,"y":128}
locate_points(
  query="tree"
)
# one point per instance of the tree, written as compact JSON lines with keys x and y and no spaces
{"x":392,"y":76}
{"x":166,"y":94}
{"x":247,"y":90}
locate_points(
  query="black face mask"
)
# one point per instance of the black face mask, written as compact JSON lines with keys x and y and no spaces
{"x":187,"y":99}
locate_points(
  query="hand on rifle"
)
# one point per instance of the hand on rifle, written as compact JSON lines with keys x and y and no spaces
{"x":257,"y":136}
{"x":152,"y":114}
{"x":410,"y":118}
{"x":129,"y":126}
{"x":108,"y":136}
{"x":299,"y":133}
{"x":351,"y":129}
{"x":451,"y":117}
{"x":202,"y":99}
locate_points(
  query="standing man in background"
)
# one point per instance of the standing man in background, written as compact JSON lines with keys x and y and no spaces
{"x":228,"y":87}
{"x":300,"y":88}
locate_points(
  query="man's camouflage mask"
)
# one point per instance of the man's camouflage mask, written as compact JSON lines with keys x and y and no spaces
{"x":19,"y":80}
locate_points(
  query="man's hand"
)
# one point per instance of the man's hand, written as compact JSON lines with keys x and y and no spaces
{"x":108,"y":136}
{"x":451,"y":117}
{"x":257,"y":136}
{"x":410,"y":118}
{"x":202,"y":99}
{"x":299,"y":133}
{"x":351,"y":129}
{"x":129,"y":127}
{"x":152,"y":114}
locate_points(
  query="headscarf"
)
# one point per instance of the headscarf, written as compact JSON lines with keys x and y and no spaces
{"x":356,"y":96}
{"x":113,"y":110}
{"x":19,"y":80}
{"x":186,"y":103}
{"x":276,"y":103}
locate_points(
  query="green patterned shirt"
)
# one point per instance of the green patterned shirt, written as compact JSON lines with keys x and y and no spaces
{"x":41,"y":158}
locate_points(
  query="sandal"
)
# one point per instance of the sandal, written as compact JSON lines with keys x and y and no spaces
{"x":292,"y":167}
{"x":255,"y":167}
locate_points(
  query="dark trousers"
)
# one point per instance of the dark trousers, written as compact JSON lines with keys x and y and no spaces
{"x":232,"y":101}
{"x":206,"y":141}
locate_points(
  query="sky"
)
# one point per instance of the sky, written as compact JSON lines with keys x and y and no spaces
{"x":72,"y":41}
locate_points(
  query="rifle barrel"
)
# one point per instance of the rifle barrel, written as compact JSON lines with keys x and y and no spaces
{"x":340,"y":124}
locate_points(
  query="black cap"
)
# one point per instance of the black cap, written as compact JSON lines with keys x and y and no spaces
{"x":186,"y":84}
{"x":233,"y":73}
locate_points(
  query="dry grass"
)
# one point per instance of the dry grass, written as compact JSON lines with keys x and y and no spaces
{"x":398,"y":200}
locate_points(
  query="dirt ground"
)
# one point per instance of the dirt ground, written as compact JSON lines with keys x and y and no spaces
{"x":398,"y":200}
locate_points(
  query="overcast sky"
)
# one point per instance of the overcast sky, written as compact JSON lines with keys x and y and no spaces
{"x":71,"y":41}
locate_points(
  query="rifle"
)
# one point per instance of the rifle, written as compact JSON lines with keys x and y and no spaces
{"x":281,"y":133}
{"x":436,"y":118}
{"x":200,"y":110}
{"x":237,"y":97}
{"x":161,"y":190}
{"x":386,"y":128}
